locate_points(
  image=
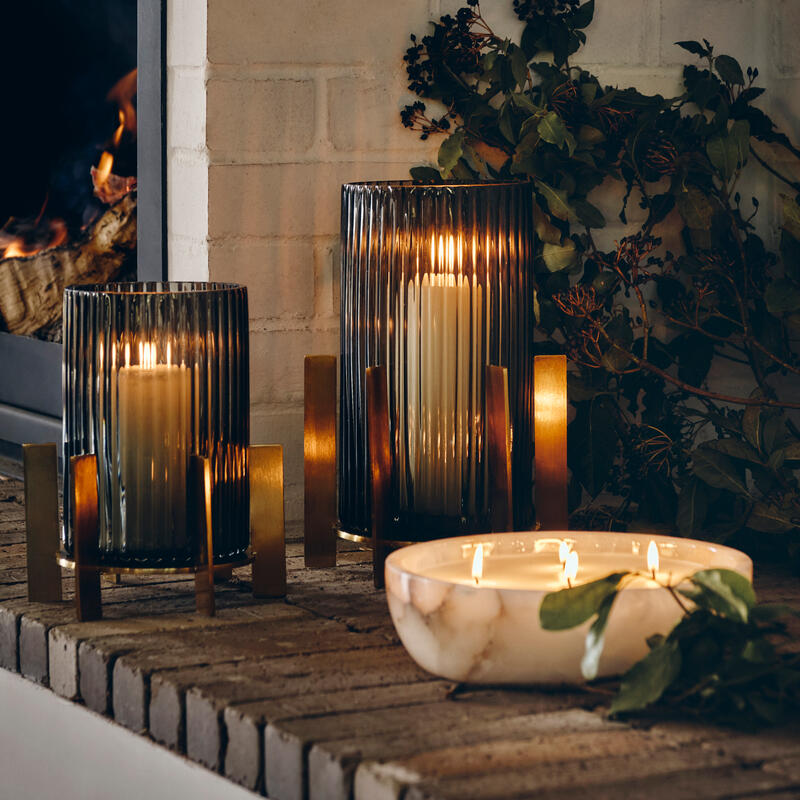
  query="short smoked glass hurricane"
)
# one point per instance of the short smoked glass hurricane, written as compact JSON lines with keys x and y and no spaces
{"x":153,"y":374}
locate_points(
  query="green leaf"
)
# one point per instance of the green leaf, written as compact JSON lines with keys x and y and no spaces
{"x":695,"y":207}
{"x":589,"y":135}
{"x":545,"y":229}
{"x":589,"y":215}
{"x":559,"y":257}
{"x":519,"y":65}
{"x":735,"y":448}
{"x":537,"y":312}
{"x":648,"y":679}
{"x":723,"y":153}
{"x":505,"y":123}
{"x":768,"y":518}
{"x":595,"y":639}
{"x":692,"y":508}
{"x":588,"y":93}
{"x":792,"y":452}
{"x":425,"y":174}
{"x":729,"y":70}
{"x":450,"y":151}
{"x":569,"y":608}
{"x":556,"y":201}
{"x":583,"y":16}
{"x":552,"y":129}
{"x":718,"y":470}
{"x":694,"y":47}
{"x":740,"y":133}
{"x":782,"y":296}
{"x":751,"y":425}
{"x":723,"y":591}
{"x":791,"y":217}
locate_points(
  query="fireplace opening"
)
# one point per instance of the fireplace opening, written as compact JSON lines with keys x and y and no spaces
{"x":68,"y":155}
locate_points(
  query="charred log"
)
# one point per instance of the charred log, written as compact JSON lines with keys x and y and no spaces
{"x":31,"y":287}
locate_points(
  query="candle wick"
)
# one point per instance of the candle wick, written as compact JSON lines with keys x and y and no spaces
{"x":654,"y":573}
{"x":477,"y":580}
{"x":569,"y":583}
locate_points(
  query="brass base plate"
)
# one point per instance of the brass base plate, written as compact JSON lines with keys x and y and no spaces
{"x":69,"y":563}
{"x":366,"y":541}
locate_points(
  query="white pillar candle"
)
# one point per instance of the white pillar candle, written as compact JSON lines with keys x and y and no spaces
{"x":154,"y":428}
{"x":444,"y":379}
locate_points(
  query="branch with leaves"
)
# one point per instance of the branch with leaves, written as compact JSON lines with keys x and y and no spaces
{"x":650,"y":332}
{"x":724,"y":661}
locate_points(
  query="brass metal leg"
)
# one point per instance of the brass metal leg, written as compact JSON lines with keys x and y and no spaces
{"x":267,"y":532}
{"x":499,"y":449}
{"x":204,"y":577}
{"x":380,"y":461}
{"x":41,"y":522}
{"x":319,"y":448}
{"x":86,"y":532}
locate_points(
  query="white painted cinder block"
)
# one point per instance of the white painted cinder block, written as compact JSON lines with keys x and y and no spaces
{"x":285,"y":199}
{"x":186,"y":33}
{"x":730,"y":25}
{"x":186,"y":108}
{"x":310,"y":31}
{"x":260,"y":116}
{"x":276,"y":361}
{"x":279,"y":274}
{"x":786,"y":26}
{"x":616,"y":34}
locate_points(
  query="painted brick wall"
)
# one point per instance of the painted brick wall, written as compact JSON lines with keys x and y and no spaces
{"x":274,"y":104}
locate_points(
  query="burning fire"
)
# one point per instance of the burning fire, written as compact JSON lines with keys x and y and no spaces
{"x":20,"y":239}
{"x":109,"y":187}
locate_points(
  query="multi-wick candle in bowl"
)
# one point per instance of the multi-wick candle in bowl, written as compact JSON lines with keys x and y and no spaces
{"x":153,"y":374}
{"x":467,"y":608}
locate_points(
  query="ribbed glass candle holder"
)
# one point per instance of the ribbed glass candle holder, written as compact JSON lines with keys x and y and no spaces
{"x":437,"y":283}
{"x":153,"y":374}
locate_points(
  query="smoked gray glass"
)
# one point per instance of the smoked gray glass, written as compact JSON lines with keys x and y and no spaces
{"x":153,"y":373}
{"x":437,"y":283}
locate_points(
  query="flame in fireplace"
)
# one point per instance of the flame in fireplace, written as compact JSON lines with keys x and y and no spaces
{"x":20,"y":240}
{"x":109,"y":187}
{"x":24,"y":238}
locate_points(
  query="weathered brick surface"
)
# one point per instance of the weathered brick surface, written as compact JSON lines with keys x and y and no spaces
{"x":313,"y":697}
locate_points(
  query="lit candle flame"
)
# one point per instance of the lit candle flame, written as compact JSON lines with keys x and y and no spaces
{"x":571,"y":567}
{"x":477,"y":564}
{"x":563,"y":551}
{"x":652,"y":557}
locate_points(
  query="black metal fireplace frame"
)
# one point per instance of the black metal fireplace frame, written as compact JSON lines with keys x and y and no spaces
{"x":30,"y":369}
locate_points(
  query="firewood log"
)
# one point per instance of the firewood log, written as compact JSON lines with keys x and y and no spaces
{"x":31,"y":287}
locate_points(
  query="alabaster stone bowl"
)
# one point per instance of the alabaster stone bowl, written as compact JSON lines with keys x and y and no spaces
{"x":487,"y":630}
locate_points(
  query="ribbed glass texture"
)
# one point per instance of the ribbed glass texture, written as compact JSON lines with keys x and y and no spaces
{"x":437,"y":284}
{"x":154,"y":373}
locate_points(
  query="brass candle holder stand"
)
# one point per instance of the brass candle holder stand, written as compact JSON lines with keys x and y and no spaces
{"x":321,"y":525}
{"x":267,"y":551}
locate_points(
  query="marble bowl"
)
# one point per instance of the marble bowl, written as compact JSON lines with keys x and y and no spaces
{"x":490,"y":633}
